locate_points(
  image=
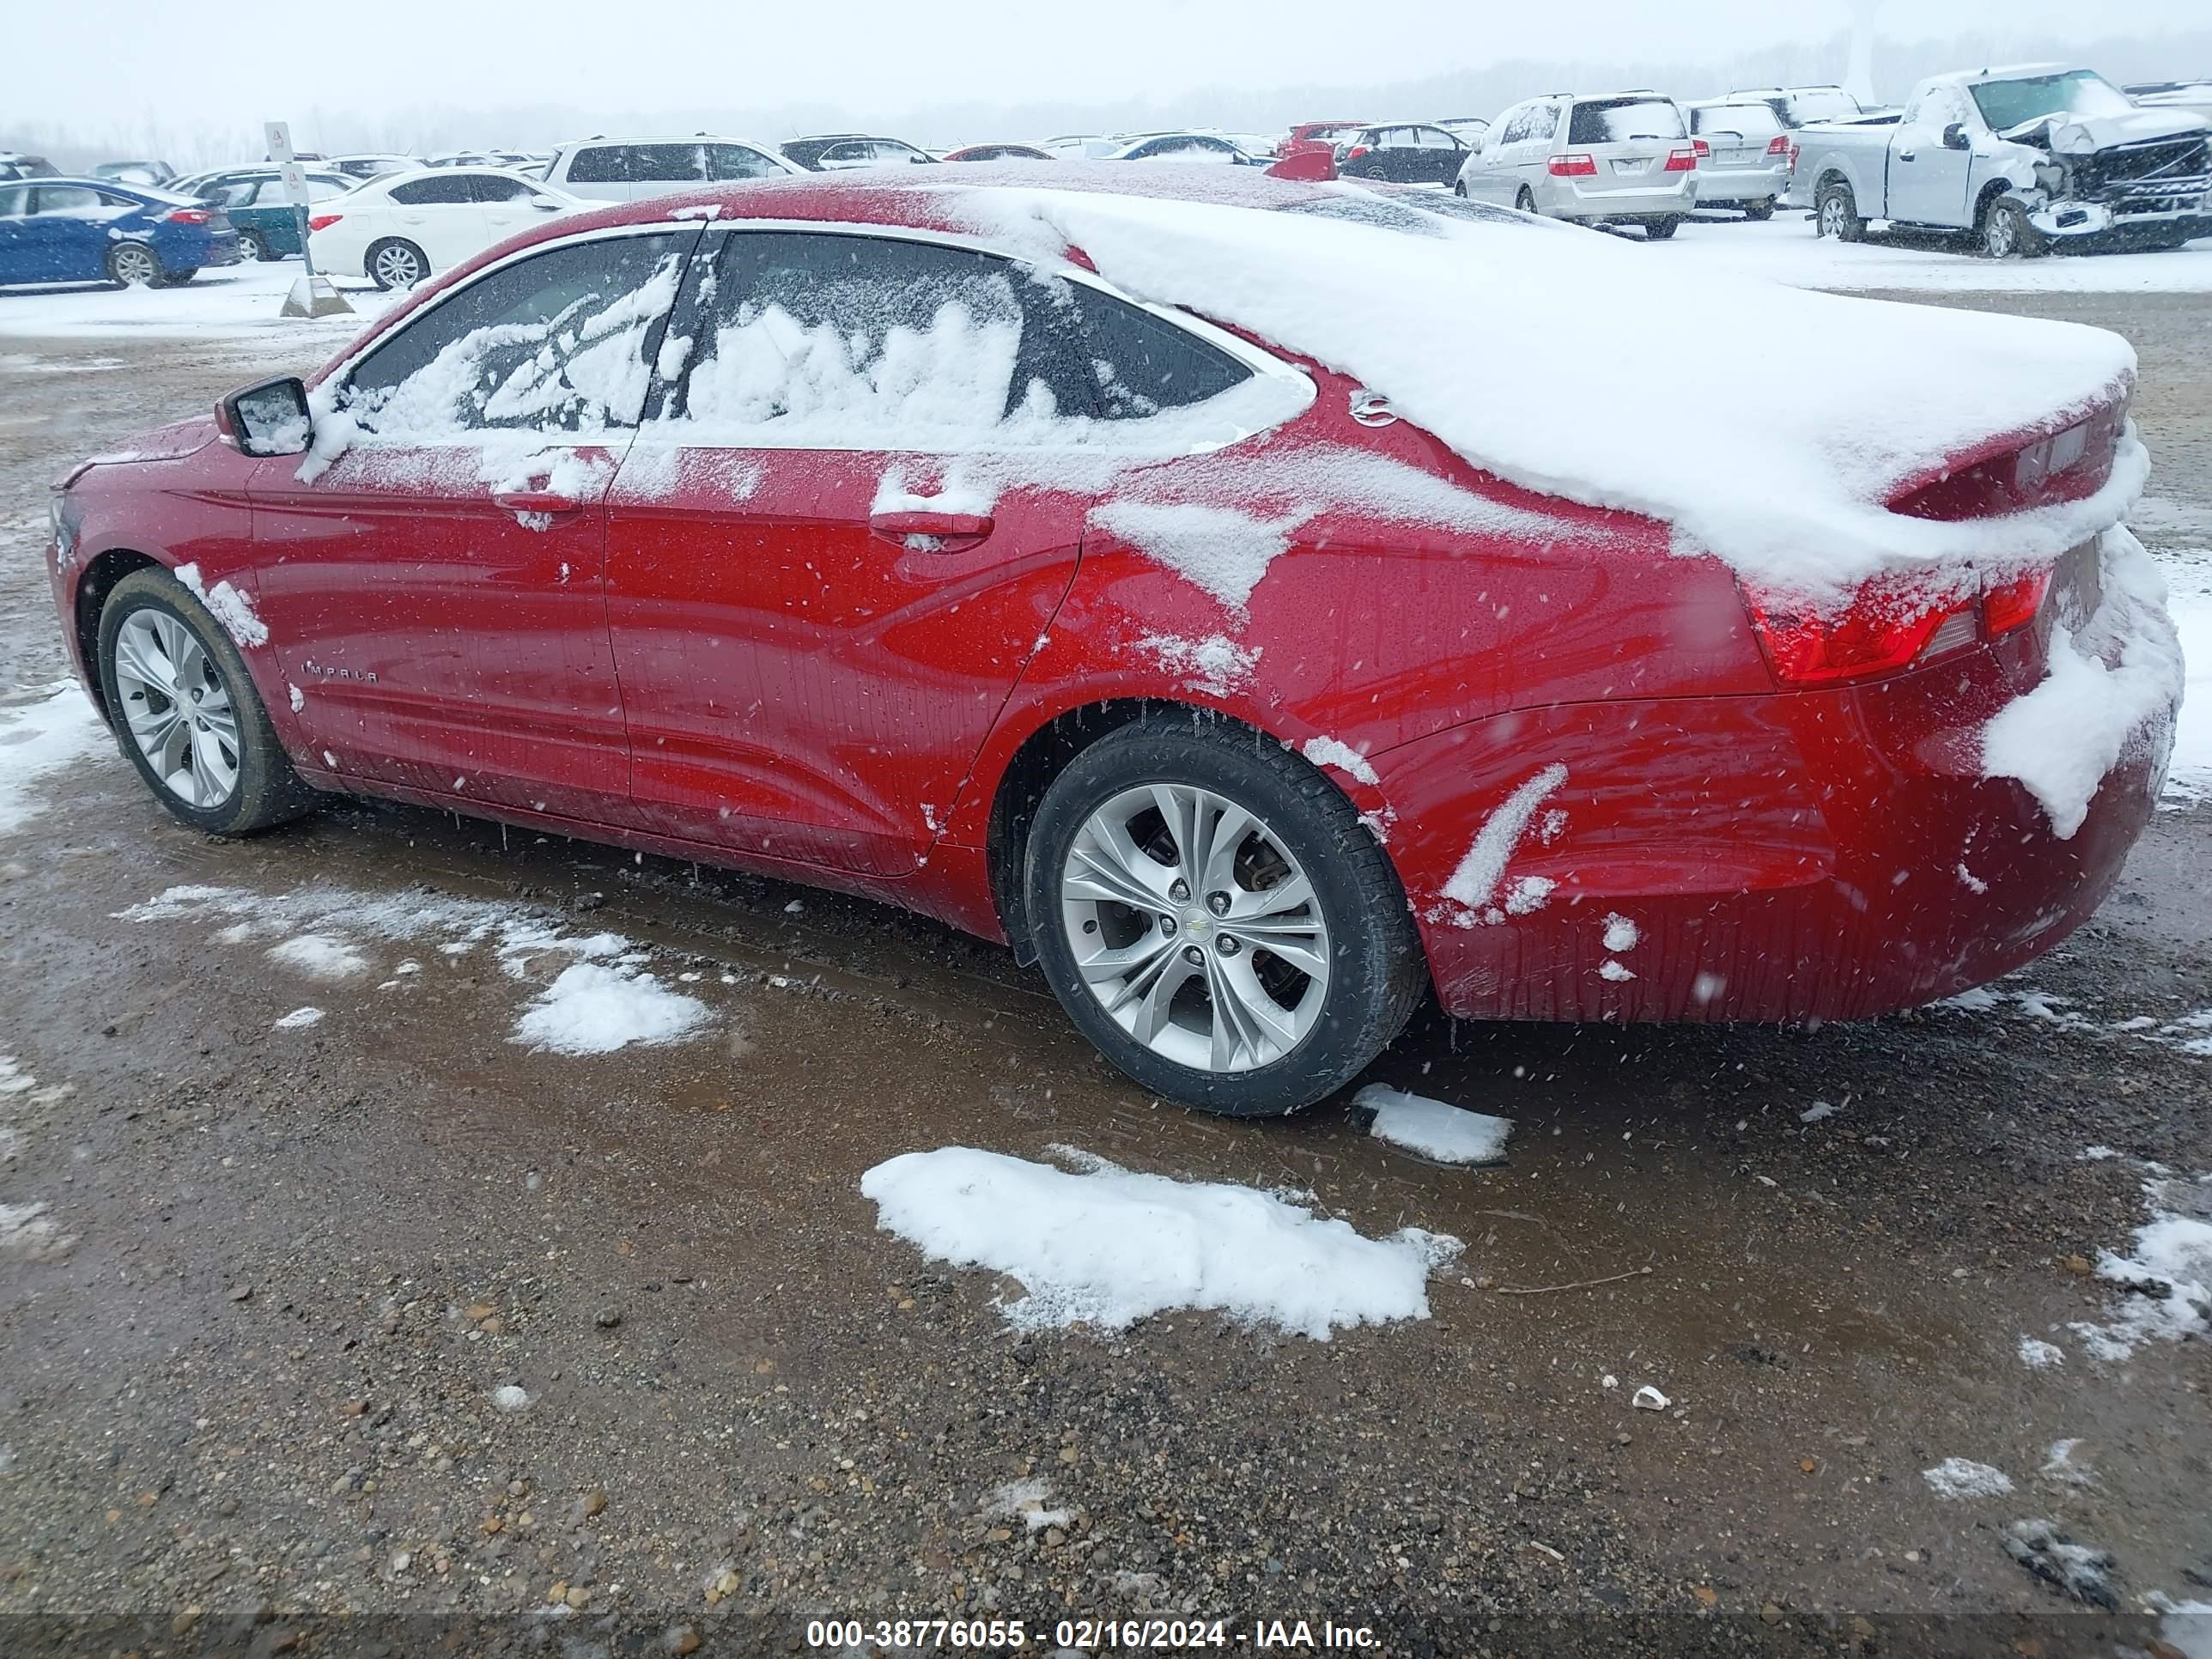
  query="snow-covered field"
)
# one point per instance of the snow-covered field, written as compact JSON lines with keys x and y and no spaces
{"x":226,"y":302}
{"x":1784,"y":250}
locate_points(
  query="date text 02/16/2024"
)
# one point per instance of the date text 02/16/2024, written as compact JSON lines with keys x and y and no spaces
{"x":1093,"y":1635}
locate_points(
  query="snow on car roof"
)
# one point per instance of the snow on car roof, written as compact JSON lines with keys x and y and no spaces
{"x":1560,"y":360}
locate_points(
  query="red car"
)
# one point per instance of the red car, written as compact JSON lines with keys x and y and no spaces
{"x":859,"y":532}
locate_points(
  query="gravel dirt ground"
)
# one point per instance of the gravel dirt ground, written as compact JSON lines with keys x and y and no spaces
{"x":259,"y":1285}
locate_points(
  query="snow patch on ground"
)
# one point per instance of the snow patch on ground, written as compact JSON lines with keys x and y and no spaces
{"x":1962,"y":1478}
{"x":2062,"y":737}
{"x":1104,"y":1246}
{"x":1328,"y":752}
{"x":1432,"y":1128}
{"x":298,"y":1019}
{"x":2189,"y":1034}
{"x":2166,"y":1277}
{"x":2037,"y":1355}
{"x":1026,"y":1500}
{"x":319,"y":956}
{"x":593,"y":1009}
{"x":55,"y":730}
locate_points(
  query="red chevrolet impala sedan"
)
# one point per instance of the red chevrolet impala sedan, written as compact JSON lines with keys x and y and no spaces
{"x":1258,"y":603}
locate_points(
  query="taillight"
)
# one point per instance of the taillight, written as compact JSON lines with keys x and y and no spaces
{"x":323,"y":221}
{"x":185,"y":216}
{"x":1779,"y":144}
{"x":1881,"y":630}
{"x":1684,"y":160}
{"x":1355,"y":152}
{"x":1704,"y":150}
{"x":2015,"y":604}
{"x":1571,"y":166}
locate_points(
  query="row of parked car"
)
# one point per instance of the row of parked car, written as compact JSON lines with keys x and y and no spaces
{"x":2022,"y":159}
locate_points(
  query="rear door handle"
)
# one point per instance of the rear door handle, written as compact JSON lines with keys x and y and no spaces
{"x":931,"y":533}
{"x":536,"y":500}
{"x":1904,"y":155}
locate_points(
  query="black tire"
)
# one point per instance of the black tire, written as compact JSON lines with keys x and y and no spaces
{"x":389,"y":261}
{"x":1526,"y":201}
{"x":1836,"y":213}
{"x":2005,"y":232}
{"x":1459,"y":188}
{"x":1658,"y":230}
{"x":253,"y":245}
{"x":266,"y":790}
{"x":1376,"y":972}
{"x":1758,"y":212}
{"x":133,"y":265}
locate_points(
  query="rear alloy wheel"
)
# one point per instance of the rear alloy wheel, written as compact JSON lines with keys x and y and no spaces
{"x":2006,"y":232}
{"x":251,"y":245}
{"x":1526,"y":201}
{"x":1213,"y":914}
{"x":133,"y":265}
{"x":186,"y":714}
{"x":1758,"y":212}
{"x":398,"y":264}
{"x":1836,"y":213}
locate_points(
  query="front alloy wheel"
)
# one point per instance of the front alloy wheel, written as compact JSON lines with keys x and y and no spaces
{"x":178,"y":709}
{"x":1195,"y":928}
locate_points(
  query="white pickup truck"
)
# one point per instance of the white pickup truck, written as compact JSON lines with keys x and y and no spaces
{"x":2021,"y":158}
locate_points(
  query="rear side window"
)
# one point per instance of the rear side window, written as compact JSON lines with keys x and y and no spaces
{"x":490,"y":187}
{"x":817,"y":340}
{"x":15,"y":204}
{"x":832,"y":340}
{"x":1620,"y":121}
{"x":238,"y":193}
{"x":1139,"y":364}
{"x":81,"y":201}
{"x":435,"y":191}
{"x":562,"y":341}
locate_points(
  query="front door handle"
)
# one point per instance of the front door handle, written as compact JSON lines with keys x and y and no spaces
{"x":536,"y":500}
{"x":1904,"y":155}
{"x":931,"y":533}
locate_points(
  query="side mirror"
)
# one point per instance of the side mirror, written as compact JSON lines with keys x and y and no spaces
{"x":270,"y":418}
{"x":1954,"y":135}
{"x":547,"y":203}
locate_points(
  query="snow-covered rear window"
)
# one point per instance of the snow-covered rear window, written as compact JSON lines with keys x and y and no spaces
{"x":1824,"y":106}
{"x":561,"y":341}
{"x":1745,"y":120}
{"x":844,"y":340}
{"x":1622,"y":120}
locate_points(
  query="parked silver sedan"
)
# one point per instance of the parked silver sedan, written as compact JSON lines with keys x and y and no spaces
{"x":1599,"y":158}
{"x":1744,"y":158}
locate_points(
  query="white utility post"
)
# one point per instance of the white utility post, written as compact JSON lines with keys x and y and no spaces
{"x":312,"y":295}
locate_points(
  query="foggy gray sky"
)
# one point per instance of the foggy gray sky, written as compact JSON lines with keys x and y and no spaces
{"x":412,"y":71}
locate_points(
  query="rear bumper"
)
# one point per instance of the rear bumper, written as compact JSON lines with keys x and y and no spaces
{"x":1743,"y":184}
{"x":1567,"y":198}
{"x":1789,"y":857}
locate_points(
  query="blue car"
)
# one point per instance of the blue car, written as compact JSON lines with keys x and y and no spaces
{"x":88,"y":230}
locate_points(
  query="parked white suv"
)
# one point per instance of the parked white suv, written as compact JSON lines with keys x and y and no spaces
{"x":1599,"y":158}
{"x":629,"y":169}
{"x":1745,"y":159}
